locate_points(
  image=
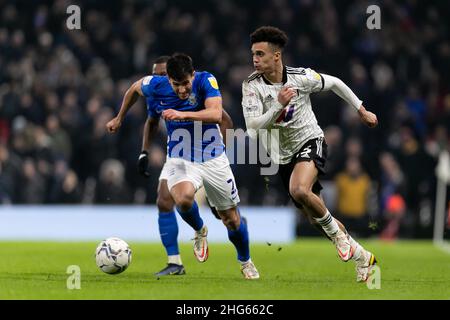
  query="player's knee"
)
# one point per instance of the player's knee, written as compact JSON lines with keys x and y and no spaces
{"x":231,"y":221}
{"x":185,"y":202}
{"x":165,"y":204}
{"x":300,"y":194}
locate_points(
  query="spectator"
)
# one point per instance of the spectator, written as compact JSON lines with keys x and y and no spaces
{"x":68,"y":191}
{"x":10,"y":168}
{"x":418,"y":168}
{"x":353,"y":186}
{"x":336,"y":152}
{"x":394,"y":211}
{"x":111,"y":187}
{"x":33,"y":187}
{"x":60,"y":143}
{"x":392,"y":204}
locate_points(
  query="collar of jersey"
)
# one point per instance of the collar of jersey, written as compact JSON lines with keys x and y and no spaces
{"x":284,"y":77}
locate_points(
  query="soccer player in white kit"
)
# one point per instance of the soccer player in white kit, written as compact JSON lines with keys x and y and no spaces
{"x":277,"y":97}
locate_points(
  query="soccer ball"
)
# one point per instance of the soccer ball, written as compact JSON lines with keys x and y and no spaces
{"x":113,"y":255}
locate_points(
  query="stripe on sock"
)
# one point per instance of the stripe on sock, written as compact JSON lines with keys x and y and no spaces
{"x":327,"y":221}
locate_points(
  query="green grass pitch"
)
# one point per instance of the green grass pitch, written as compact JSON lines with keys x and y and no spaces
{"x":306,"y":269}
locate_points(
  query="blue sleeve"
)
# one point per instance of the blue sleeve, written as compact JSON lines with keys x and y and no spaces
{"x":148,"y":86}
{"x":210,"y":86}
{"x":151,"y":109}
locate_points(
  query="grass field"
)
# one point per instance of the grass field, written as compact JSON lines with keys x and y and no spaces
{"x":307,"y":269}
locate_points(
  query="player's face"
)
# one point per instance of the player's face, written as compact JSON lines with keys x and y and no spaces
{"x":160,"y":69}
{"x":182,"y":88}
{"x":264,"y":57}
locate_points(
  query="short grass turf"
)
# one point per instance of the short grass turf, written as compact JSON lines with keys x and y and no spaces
{"x":306,"y":269}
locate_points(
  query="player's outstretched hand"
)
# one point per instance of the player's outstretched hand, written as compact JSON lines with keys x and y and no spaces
{"x":285,"y":95}
{"x":369,"y":118}
{"x":142,"y":164}
{"x":171,"y":114}
{"x":113,"y":125}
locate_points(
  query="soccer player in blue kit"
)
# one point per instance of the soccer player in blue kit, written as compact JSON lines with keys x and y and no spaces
{"x":190,"y":103}
{"x":167,"y":221}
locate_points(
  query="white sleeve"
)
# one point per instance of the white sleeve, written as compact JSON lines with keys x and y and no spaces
{"x":310,"y":81}
{"x":253,"y":109}
{"x":342,"y":90}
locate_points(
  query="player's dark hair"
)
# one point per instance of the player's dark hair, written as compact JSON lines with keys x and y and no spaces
{"x":271,"y":35}
{"x":179,"y":66}
{"x":161,"y":59}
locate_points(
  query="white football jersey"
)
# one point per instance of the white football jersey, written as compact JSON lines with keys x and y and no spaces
{"x":297,"y":122}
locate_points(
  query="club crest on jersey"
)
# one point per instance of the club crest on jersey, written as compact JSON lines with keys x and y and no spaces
{"x":192,"y":99}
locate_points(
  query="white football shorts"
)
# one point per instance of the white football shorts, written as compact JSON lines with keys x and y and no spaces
{"x":215,"y":175}
{"x":164,"y":175}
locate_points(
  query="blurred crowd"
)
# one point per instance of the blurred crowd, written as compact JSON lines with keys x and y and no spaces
{"x":59,"y":87}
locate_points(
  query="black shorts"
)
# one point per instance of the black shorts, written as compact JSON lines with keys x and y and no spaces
{"x":313,"y":150}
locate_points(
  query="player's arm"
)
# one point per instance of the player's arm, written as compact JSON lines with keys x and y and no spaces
{"x":150,"y":128}
{"x":129,"y":99}
{"x":342,"y":90}
{"x":227,"y":123}
{"x":252,"y":106}
{"x":211,"y":114}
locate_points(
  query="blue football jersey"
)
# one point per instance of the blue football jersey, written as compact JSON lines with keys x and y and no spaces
{"x":192,"y":141}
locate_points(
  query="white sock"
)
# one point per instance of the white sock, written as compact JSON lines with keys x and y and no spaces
{"x":357,"y":248}
{"x":328,"y":224}
{"x":175,"y":259}
{"x":244,"y":262}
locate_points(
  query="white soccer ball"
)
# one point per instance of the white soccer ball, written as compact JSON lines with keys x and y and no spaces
{"x":113,"y":255}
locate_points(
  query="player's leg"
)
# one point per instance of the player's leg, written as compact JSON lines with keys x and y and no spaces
{"x":357,"y":248}
{"x":237,"y":232}
{"x":303,"y":177}
{"x":238,"y":235}
{"x":183,"y":182}
{"x":222,"y":194}
{"x":363,"y":258}
{"x":216,"y":214}
{"x":168,"y":230}
{"x":183,"y":193}
{"x":213,"y":209}
{"x":308,"y":215}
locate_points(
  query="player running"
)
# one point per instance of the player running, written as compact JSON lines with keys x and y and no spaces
{"x":277,"y":97}
{"x":167,"y":221}
{"x":191,"y":105}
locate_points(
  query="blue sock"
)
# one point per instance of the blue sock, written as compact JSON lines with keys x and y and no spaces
{"x":168,"y":230}
{"x":240,"y":240}
{"x":192,"y":217}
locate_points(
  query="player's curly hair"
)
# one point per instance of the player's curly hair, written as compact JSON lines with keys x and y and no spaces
{"x":271,"y":35}
{"x":179,"y":66}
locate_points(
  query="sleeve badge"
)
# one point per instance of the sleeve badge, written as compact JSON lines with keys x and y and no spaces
{"x":213,"y":83}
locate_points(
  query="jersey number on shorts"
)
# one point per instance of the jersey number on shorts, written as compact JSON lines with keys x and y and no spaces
{"x":286,"y":114}
{"x":233,"y":188}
